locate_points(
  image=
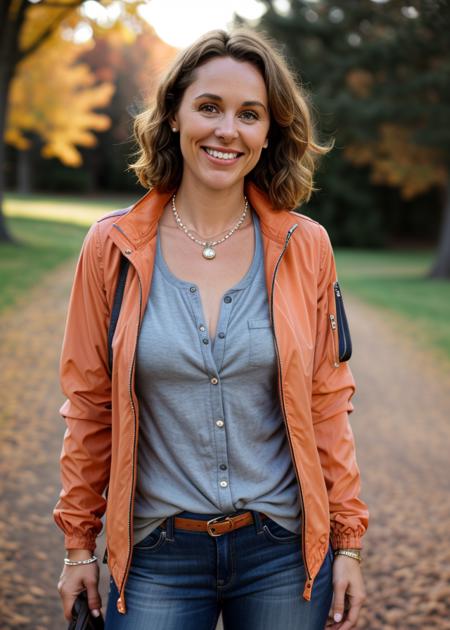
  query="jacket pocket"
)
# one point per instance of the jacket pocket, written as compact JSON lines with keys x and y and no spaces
{"x":340,"y":339}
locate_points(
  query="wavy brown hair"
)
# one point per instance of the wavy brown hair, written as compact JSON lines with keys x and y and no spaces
{"x":285,"y":169}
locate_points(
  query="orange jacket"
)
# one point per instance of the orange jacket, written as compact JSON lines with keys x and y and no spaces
{"x":102,"y":413}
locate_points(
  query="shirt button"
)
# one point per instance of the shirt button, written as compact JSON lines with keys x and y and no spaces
{"x":201,"y":328}
{"x":227,"y":299}
{"x":223,"y":484}
{"x":192,"y":289}
{"x":221,"y":335}
{"x":219,"y":423}
{"x":223,"y":467}
{"x":205,"y":341}
{"x":214,"y":380}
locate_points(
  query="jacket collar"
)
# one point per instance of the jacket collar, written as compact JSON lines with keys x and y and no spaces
{"x":139,"y":224}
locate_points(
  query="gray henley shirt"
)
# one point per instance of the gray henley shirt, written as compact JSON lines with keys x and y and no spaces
{"x":212,"y":438}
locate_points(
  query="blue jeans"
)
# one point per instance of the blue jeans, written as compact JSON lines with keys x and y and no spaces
{"x":254,"y":575}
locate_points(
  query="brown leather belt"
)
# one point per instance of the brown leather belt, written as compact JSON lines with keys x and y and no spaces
{"x":216,"y":526}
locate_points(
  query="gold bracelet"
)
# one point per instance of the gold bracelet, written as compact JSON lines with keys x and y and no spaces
{"x":351,"y":554}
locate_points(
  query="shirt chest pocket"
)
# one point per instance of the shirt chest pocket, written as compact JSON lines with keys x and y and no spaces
{"x":261,"y":347}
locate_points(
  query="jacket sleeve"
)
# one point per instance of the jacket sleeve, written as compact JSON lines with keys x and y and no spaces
{"x":84,"y":377}
{"x":332,"y":390}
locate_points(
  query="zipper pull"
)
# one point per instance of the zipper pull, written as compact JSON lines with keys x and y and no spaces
{"x":291,"y":231}
{"x":337,"y":289}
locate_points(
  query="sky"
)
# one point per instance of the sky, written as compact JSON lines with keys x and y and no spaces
{"x":180,"y":22}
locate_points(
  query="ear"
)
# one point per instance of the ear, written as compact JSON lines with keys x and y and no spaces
{"x":173,"y":123}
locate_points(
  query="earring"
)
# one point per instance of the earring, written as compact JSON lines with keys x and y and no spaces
{"x":174,"y":129}
{"x":266,"y":144}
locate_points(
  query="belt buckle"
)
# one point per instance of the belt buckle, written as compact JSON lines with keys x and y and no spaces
{"x":218,"y":519}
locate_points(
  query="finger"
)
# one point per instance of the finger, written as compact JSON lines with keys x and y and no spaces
{"x":93,"y":597}
{"x":339,"y":588}
{"x":352,"y":616}
{"x":68,"y":601}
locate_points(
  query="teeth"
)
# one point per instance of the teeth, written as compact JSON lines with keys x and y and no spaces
{"x":220,"y":155}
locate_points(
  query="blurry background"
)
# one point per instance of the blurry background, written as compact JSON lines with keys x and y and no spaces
{"x":72,"y":75}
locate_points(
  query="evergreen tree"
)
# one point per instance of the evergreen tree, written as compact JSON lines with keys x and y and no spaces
{"x":379,"y":73}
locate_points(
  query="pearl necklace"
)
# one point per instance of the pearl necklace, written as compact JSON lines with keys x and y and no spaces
{"x":208,"y":246}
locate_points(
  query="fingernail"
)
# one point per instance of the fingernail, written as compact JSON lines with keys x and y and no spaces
{"x":96,"y":613}
{"x":338,"y":617}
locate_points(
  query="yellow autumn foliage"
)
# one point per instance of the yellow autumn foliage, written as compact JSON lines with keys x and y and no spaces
{"x":42,"y":15}
{"x":55,"y":97}
{"x":52,"y":94}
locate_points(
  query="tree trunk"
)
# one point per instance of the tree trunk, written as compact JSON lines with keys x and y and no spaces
{"x":5,"y":80}
{"x":25,"y":171}
{"x":12,"y":17}
{"x":9,"y":54}
{"x":441,"y":267}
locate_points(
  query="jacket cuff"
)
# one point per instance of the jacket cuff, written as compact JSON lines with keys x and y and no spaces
{"x":345,"y":541}
{"x":80,"y":542}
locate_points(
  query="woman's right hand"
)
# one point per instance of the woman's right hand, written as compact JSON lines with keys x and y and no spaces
{"x":74,"y":579}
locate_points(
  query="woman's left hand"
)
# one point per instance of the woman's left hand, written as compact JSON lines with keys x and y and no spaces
{"x":348,"y":593}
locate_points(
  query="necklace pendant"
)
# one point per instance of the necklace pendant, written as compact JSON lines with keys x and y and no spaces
{"x":209,"y":252}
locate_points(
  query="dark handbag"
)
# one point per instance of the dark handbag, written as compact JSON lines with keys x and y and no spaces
{"x":81,"y":615}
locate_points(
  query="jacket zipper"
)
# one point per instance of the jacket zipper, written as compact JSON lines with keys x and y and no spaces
{"x":288,"y":236}
{"x":133,"y":456}
{"x":130,"y":391}
{"x":333,"y":325}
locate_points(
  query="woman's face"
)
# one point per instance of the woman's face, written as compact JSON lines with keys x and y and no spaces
{"x":223,"y":121}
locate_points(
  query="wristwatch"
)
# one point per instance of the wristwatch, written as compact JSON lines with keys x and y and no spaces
{"x":351,"y":553}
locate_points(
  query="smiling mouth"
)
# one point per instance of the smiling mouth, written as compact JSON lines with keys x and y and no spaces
{"x":221,"y":155}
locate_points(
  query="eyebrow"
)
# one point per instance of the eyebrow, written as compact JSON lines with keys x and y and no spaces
{"x":216,"y":97}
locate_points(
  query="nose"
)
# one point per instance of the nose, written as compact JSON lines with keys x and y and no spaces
{"x":226,"y":128}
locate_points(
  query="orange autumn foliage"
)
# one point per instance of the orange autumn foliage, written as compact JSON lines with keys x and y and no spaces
{"x":397,"y":160}
{"x":395,"y":157}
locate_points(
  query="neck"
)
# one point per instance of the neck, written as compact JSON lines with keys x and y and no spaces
{"x":210,"y":212}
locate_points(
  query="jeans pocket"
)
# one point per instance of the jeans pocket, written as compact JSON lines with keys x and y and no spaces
{"x":153,"y":541}
{"x":278,"y":534}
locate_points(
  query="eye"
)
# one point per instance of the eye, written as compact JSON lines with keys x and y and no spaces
{"x":249,"y":115}
{"x":208,"y":108}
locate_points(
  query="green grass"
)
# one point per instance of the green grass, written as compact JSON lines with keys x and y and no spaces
{"x":62,"y":208}
{"x":397,"y":282}
{"x":48,"y":231}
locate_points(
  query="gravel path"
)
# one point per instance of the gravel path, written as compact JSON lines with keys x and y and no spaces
{"x":401,"y":426}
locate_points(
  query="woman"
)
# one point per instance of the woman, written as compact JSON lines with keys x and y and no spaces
{"x":222,"y":435}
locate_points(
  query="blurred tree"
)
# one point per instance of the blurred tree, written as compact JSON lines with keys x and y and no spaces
{"x":380,"y":75}
{"x":52,"y":97}
{"x":134,"y":70}
{"x":25,"y":26}
{"x":13,"y":14}
{"x":412,"y":93}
